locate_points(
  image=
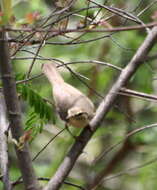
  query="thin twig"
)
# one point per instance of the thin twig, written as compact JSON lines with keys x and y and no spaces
{"x":14,"y":113}
{"x":130,"y":169}
{"x":47,"y":179}
{"x":59,"y":31}
{"x":146,"y":8}
{"x":101,"y":112}
{"x":37,"y":155}
{"x":133,"y":93}
{"x":128,"y":135}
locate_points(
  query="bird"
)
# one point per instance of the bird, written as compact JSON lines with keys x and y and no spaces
{"x":74,"y":107}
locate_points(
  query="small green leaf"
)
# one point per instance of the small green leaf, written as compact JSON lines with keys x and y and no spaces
{"x":6,"y":7}
{"x":41,"y":107}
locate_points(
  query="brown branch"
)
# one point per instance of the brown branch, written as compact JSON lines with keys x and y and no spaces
{"x":33,"y":42}
{"x":47,"y":179}
{"x":128,"y":135}
{"x":36,"y":55}
{"x":14,"y":113}
{"x":131,"y":169}
{"x":4,"y":163}
{"x":151,"y":58}
{"x":119,"y":12}
{"x":141,"y":129}
{"x":63,"y":31}
{"x":118,"y":157}
{"x":127,"y":146}
{"x":103,"y":109}
{"x":133,"y":93}
{"x":124,"y":77}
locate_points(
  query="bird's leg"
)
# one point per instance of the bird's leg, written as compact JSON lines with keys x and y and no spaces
{"x":67,"y":128}
{"x":90,"y":128}
{"x":75,"y":137}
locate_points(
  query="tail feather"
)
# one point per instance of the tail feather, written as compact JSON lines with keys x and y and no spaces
{"x":50,"y":70}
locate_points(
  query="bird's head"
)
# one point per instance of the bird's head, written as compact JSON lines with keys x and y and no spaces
{"x":77,"y":117}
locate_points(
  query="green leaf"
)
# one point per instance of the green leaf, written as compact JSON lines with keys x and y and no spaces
{"x":40,"y":106}
{"x":6,"y":7}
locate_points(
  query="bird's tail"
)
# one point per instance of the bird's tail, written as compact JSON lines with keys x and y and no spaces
{"x":50,"y":70}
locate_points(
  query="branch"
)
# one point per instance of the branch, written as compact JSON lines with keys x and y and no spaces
{"x":128,"y":135}
{"x":3,"y":145}
{"x":78,"y":30}
{"x":135,"y":168}
{"x":120,"y":155}
{"x":119,"y":12}
{"x":103,"y":109}
{"x":124,"y":77}
{"x":47,"y":179}
{"x":14,"y":113}
{"x":133,"y":93}
{"x":24,"y":41}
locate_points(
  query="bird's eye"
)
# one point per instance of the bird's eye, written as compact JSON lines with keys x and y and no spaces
{"x":81,"y":115}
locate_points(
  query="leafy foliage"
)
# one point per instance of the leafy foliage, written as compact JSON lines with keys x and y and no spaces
{"x":116,"y":48}
{"x":6,"y":8}
{"x":41,"y":112}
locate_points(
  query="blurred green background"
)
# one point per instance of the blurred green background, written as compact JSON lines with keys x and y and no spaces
{"x":128,"y":114}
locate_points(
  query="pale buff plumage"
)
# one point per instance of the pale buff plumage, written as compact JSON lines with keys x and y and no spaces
{"x":72,"y":105}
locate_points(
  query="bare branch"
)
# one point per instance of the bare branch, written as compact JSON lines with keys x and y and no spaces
{"x":128,"y":135}
{"x":119,"y":12}
{"x":101,"y":112}
{"x":3,"y":144}
{"x":146,"y":8}
{"x":47,"y":179}
{"x":124,"y":77}
{"x":13,"y":109}
{"x":64,"y":31}
{"x":133,"y":93}
{"x":131,"y":169}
